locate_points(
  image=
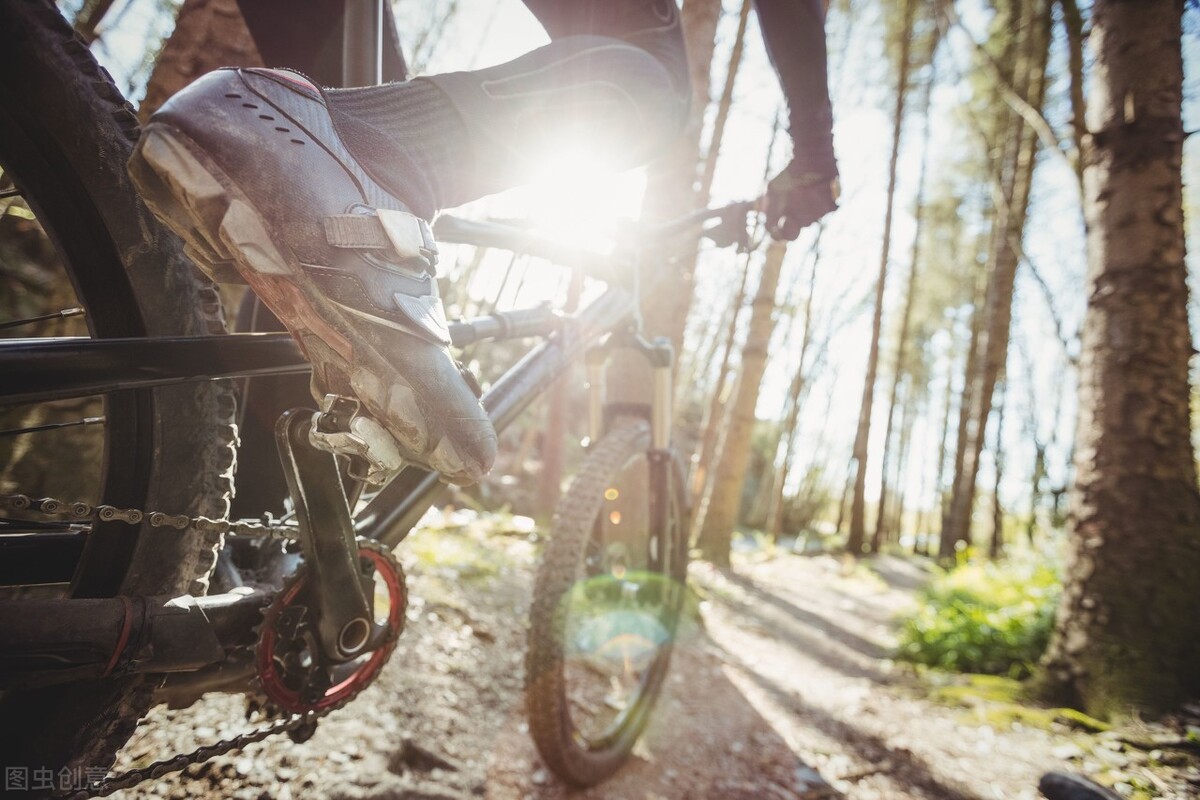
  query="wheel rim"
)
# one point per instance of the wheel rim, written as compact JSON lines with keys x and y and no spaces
{"x":87,"y":256}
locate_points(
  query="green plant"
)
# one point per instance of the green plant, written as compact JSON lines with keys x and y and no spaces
{"x":983,"y":616}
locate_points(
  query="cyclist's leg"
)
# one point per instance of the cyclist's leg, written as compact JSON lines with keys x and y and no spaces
{"x":613,"y":83}
{"x":308,"y":37}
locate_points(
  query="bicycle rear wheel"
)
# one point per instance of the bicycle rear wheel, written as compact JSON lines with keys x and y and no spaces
{"x":65,"y":134}
{"x":606,"y":602}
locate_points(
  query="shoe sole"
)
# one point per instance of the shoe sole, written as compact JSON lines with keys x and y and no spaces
{"x":224,"y":234}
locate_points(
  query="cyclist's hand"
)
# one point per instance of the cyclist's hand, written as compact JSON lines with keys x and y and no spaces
{"x":796,"y":199}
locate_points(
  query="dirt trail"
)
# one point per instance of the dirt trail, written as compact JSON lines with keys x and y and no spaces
{"x":781,"y":690}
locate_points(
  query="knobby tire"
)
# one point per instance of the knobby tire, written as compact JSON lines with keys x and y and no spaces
{"x":66,"y":133}
{"x":561,"y":745}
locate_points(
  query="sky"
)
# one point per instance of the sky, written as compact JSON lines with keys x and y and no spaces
{"x":580,"y":205}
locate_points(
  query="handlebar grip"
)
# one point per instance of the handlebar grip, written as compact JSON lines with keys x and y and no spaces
{"x":539,"y":321}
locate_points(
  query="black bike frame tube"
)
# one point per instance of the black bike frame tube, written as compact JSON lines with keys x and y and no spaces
{"x":37,"y":370}
{"x":392,"y":513}
{"x":362,"y":43}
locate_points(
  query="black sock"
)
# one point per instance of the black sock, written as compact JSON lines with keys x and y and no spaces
{"x":407,"y":136}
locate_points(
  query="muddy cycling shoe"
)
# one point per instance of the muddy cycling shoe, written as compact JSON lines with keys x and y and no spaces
{"x":246,"y":166}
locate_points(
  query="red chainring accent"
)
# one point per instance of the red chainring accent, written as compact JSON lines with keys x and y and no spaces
{"x":272,"y":681}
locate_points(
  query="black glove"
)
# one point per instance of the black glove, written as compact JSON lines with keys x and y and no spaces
{"x":796,"y":199}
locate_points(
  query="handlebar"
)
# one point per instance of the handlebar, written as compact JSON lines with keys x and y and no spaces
{"x":731,"y":229}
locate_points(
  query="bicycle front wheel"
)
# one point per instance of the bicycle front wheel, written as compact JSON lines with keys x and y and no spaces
{"x":606,"y":603}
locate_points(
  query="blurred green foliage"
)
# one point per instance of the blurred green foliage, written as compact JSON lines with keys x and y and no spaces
{"x":984,"y":616}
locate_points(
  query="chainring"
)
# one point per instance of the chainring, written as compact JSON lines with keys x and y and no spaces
{"x":292,"y":674}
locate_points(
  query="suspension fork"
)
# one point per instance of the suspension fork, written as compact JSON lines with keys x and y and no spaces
{"x":660,"y":356}
{"x":659,"y":411}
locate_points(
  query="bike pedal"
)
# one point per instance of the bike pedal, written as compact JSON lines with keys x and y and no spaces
{"x":340,"y":428}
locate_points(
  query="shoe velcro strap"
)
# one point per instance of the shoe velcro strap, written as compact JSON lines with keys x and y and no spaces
{"x":407,"y":235}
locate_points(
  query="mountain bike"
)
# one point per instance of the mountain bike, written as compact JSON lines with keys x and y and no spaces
{"x":143,"y":588}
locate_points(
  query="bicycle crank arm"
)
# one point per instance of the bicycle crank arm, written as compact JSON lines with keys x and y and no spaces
{"x":44,"y":642}
{"x":335,"y":588}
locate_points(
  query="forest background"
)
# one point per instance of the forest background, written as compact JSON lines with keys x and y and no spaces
{"x":906,"y":376}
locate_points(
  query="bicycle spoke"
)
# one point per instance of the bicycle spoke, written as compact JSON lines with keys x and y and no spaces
{"x":64,"y":314}
{"x":53,"y":426}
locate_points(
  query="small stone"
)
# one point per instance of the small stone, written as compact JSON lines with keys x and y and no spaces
{"x":540,"y":778}
{"x":1066,"y":752}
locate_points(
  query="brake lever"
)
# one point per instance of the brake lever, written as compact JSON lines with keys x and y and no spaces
{"x":733,"y":228}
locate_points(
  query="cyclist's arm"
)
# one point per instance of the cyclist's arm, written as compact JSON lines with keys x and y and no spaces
{"x":794,"y":32}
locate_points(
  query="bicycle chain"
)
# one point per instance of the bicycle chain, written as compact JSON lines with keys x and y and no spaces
{"x":180,"y":762}
{"x":54,"y":507}
{"x":80,"y":511}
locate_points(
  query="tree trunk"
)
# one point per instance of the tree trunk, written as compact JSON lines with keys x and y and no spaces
{"x":208,"y":34}
{"x":792,"y":420}
{"x":905,"y":321}
{"x":940,"y":482}
{"x":1015,"y":180}
{"x":714,"y":418}
{"x":716,"y":531}
{"x":856,"y":540}
{"x":671,"y":181}
{"x":724,"y":104}
{"x":1128,"y":629}
{"x":895,"y":520}
{"x":90,"y":15}
{"x":997,"y":543}
{"x":948,"y":542}
{"x":557,"y":400}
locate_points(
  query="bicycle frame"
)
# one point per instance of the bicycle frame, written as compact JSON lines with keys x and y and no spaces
{"x":189,"y":635}
{"x":39,"y":370}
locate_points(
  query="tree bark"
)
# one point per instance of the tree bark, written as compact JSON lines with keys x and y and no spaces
{"x":716,"y":531}
{"x":208,"y":34}
{"x":857,"y":537}
{"x":1128,"y":629}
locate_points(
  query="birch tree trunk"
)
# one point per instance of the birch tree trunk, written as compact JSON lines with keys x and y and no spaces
{"x":720,"y":518}
{"x":1128,"y":629}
